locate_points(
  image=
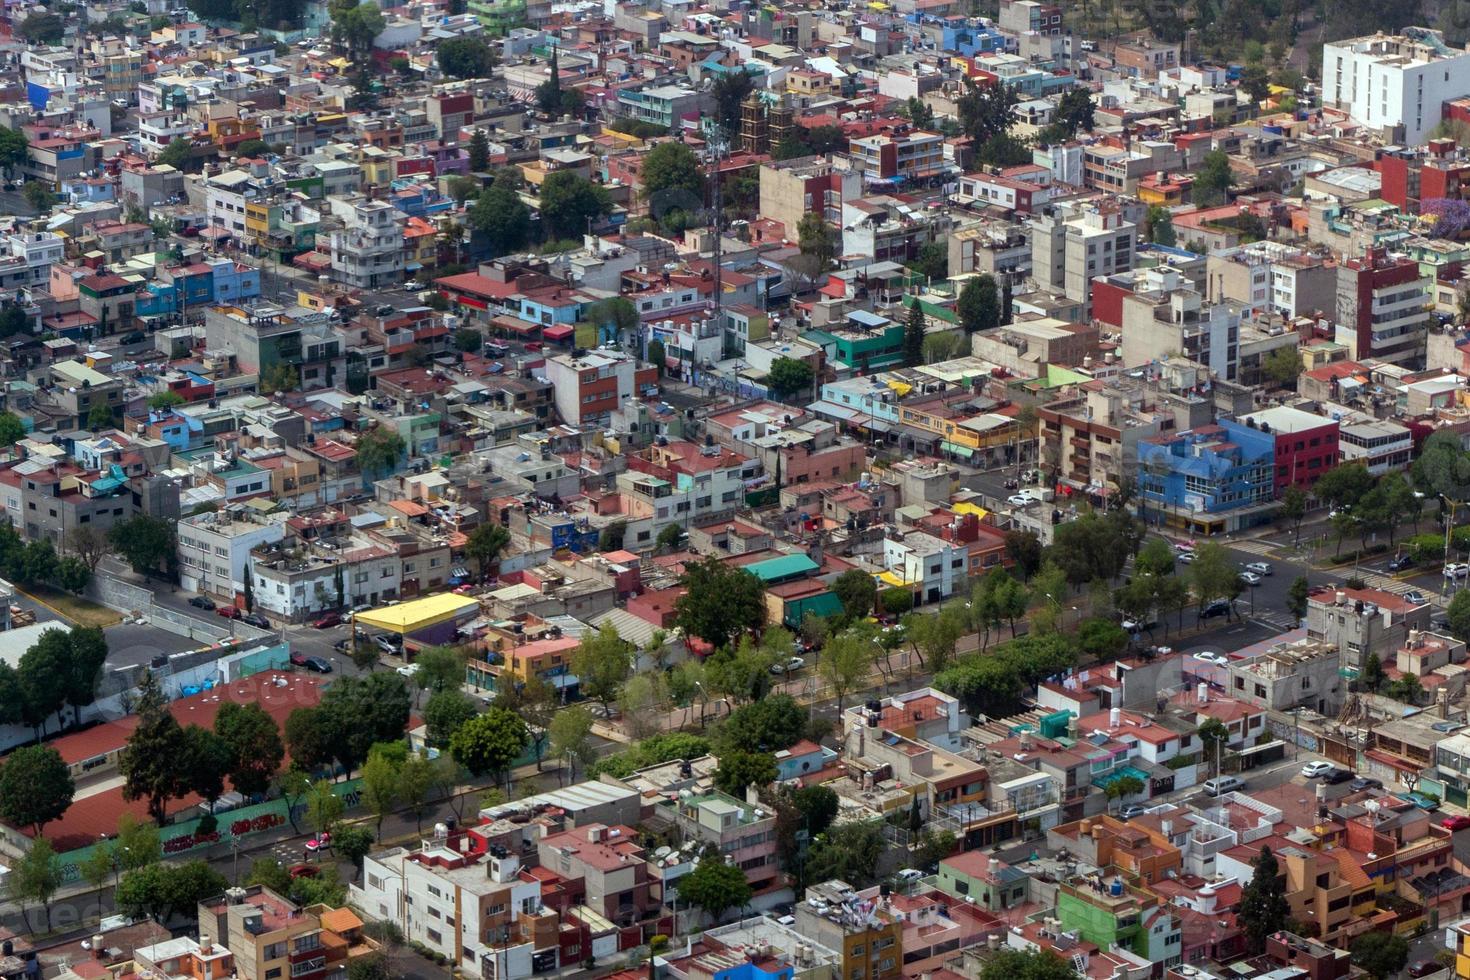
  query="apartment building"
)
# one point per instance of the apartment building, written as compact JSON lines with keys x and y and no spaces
{"x":462,"y":897}
{"x":1209,"y":480}
{"x":215,"y":547}
{"x":916,"y":155}
{"x":1305,"y":444}
{"x":931,"y":567}
{"x":1072,"y":246}
{"x":294,"y":580}
{"x":871,"y":943}
{"x":742,"y":832}
{"x":368,"y":252}
{"x":1358,"y":622}
{"x":1273,"y":276}
{"x":1382,"y":446}
{"x":27,"y":255}
{"x":1165,"y":315}
{"x":791,"y":188}
{"x":606,"y":864}
{"x":273,"y":938}
{"x":199,"y":959}
{"x":1383,"y":306}
{"x":587,"y":388}
{"x":1395,"y":84}
{"x":263,"y":337}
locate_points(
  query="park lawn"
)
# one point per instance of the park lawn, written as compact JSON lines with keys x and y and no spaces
{"x":83,"y":612}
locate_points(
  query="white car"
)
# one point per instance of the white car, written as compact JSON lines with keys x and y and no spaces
{"x":789,"y":666}
{"x":1211,"y":657}
{"x":1251,"y":578}
{"x":1184,"y":557}
{"x":1261,"y":568}
{"x":1456,"y":570}
{"x":1019,"y":500}
{"x":1314,"y":769}
{"x":909,"y":875}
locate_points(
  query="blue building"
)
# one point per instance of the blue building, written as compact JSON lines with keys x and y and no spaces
{"x":1209,"y":480}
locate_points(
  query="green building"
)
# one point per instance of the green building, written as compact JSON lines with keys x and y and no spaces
{"x":865,"y":342}
{"x":1112,"y":914}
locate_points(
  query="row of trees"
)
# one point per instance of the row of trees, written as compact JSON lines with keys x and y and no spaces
{"x":62,"y":669}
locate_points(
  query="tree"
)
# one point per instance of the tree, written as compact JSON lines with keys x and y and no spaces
{"x":768,"y":725}
{"x":617,"y":312}
{"x":490,"y":743}
{"x":12,"y":429}
{"x":1214,"y":576}
{"x":849,"y":851}
{"x":465,"y":57}
{"x":817,"y":239}
{"x":738,"y":770}
{"x":536,"y":701}
{"x":669,"y":538}
{"x":164,"y":891}
{"x":741,"y":674}
{"x":467,"y":340}
{"x":611,"y":538}
{"x":13,"y":320}
{"x":359,"y":25}
{"x":1255,"y":81}
{"x":1213,"y":179}
{"x":978,"y":305}
{"x":789,"y":376}
{"x":913,"y":337}
{"x":715,"y":887}
{"x":941,"y":345}
{"x":323,"y":807}
{"x":150,"y":761}
{"x":136,"y":845}
{"x":569,"y":203}
{"x":15,"y":150}
{"x":502,"y":217}
{"x":1263,"y":906}
{"x":253,"y":741}
{"x":1161,"y":226}
{"x":603,"y":662}
{"x":846,"y":662}
{"x":1213,"y":737}
{"x":571,"y":738}
{"x":1293,"y":509}
{"x":720,"y":602}
{"x":415,"y":781}
{"x":147,"y":543}
{"x":1372,"y":676}
{"x":1124,"y":787}
{"x":1344,"y":486}
{"x":671,"y":169}
{"x":730,"y":90}
{"x":932,"y":262}
{"x":100,"y":416}
{"x":857,"y":591}
{"x":379,"y":787}
{"x":444,"y":714}
{"x":1382,"y":954}
{"x":439,"y":668}
{"x":479,"y":151}
{"x":72,"y":574}
{"x":1283,"y":365}
{"x":35,"y":787}
{"x":1296,"y":597}
{"x":35,"y":878}
{"x":41,"y":28}
{"x":1074,"y":111}
{"x":1030,"y":964}
{"x":86,"y":656}
{"x":353,"y":843}
{"x":1101,"y":639}
{"x":484,"y":545}
{"x":307,"y":738}
{"x":897,"y":600}
{"x":273,"y":379}
{"x":356,"y":713}
{"x":986,"y":111}
{"x":379,"y":450}
{"x":177,"y":154}
{"x":205,"y":763}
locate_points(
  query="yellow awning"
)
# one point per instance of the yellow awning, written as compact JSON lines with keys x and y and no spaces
{"x":888,"y":578}
{"x":967,"y":508}
{"x":900,"y":387}
{"x":419,"y":614}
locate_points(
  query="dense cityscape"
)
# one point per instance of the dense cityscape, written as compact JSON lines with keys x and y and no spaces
{"x":672,"y":490}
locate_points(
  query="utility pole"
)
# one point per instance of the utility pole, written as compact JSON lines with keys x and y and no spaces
{"x":717,"y":149}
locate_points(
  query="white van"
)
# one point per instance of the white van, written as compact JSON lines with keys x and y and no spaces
{"x":1221,"y":785}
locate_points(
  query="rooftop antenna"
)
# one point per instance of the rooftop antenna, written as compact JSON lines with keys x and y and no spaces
{"x":718,"y":146}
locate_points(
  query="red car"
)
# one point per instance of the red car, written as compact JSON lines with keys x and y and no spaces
{"x":229,"y":612}
{"x":328,"y":621}
{"x":1455,"y":823}
{"x":534,"y":346}
{"x":304,"y":871}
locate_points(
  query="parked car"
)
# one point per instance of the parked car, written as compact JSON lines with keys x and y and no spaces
{"x":202,"y":602}
{"x":298,"y":659}
{"x":1183,"y":546}
{"x":342,"y":646}
{"x":1339,"y":776}
{"x":228,"y":612}
{"x":1424,"y":968}
{"x":136,"y":337}
{"x":1212,"y":657}
{"x":383,"y":642}
{"x":1456,"y":570}
{"x":1456,"y":822}
{"x":256,"y":620}
{"x":412,"y":285}
{"x":1314,"y":769}
{"x":1416,"y":597}
{"x":1221,"y":785}
{"x":1422,"y":801}
{"x":1018,"y":500}
{"x":1261,"y":568}
{"x":791,"y":666}
{"x":1401,"y":562}
{"x":1137,"y":625}
{"x":304,"y":871}
{"x":1184,"y":557}
{"x":1217,"y":608}
{"x":909,"y":875}
{"x":328,"y":621}
{"x":1132,"y":810}
{"x":408,"y":670}
{"x":1365,"y":782}
{"x":318,"y":666}
{"x":1251,"y":578}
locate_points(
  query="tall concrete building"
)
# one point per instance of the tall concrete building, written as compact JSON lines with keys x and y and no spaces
{"x":1395,"y":84}
{"x":1382,"y":307}
{"x":1072,"y":246}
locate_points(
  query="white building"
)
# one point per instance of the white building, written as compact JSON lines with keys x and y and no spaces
{"x":214,"y":548}
{"x":1380,"y":445}
{"x":295,"y":585}
{"x":933,"y":566}
{"x":1395,"y":84}
{"x":225,"y":197}
{"x":1072,"y":246}
{"x":589,"y":387}
{"x":368,"y":252}
{"x":27,"y":255}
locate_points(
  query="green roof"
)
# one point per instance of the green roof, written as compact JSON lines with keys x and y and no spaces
{"x":787,"y":566}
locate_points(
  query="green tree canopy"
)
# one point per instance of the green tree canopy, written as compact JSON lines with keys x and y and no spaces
{"x":715,"y":887}
{"x":489,"y":744}
{"x":35,"y":787}
{"x":569,"y":203}
{"x":1263,"y":906}
{"x":720,"y":602}
{"x":465,"y":57}
{"x":789,"y":376}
